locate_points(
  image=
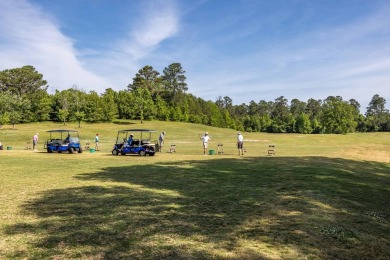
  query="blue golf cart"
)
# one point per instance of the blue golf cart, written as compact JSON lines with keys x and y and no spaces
{"x":126,"y":144}
{"x":63,"y":141}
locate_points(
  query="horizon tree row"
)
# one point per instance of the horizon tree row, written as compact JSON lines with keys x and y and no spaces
{"x":24,"y":98}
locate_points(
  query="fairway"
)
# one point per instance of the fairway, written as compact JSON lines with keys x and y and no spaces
{"x":319,"y":197}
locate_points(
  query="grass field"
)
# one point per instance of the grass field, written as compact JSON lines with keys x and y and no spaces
{"x":319,"y":197}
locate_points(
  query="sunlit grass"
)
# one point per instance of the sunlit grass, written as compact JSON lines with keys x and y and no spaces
{"x":321,"y":196}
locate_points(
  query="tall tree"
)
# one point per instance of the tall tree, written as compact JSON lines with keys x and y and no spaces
{"x":143,"y":103}
{"x":21,"y":81}
{"x":77,"y":104}
{"x":219,"y":102}
{"x":174,"y":81}
{"x":226,"y":103}
{"x":109,"y":107}
{"x":161,"y":109}
{"x":62,"y":105}
{"x":241,"y":110}
{"x":297,"y":107}
{"x":41,"y":104}
{"x":14,"y":109}
{"x":93,"y":107}
{"x":280,"y":116}
{"x":313,"y":108}
{"x":376,"y":106}
{"x":63,"y":114}
{"x":253,"y":108}
{"x":377,"y":116}
{"x":6,"y":107}
{"x":265,"y":107}
{"x":125,"y":101}
{"x":303,"y":124}
{"x":338,"y":116}
{"x":147,"y":78}
{"x":280,"y":109}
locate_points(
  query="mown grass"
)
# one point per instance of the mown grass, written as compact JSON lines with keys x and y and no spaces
{"x":320,"y":197}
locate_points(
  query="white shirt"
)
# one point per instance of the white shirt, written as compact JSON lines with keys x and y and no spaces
{"x":240,"y":138}
{"x":205,"y":138}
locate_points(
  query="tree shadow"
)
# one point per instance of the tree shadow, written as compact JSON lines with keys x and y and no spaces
{"x":247,"y":208}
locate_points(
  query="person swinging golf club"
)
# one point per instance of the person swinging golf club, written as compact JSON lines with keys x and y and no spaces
{"x":205,"y":139}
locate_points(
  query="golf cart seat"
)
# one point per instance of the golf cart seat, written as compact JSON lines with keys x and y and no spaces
{"x":145,"y":141}
{"x":56,"y":141}
{"x":135,"y":143}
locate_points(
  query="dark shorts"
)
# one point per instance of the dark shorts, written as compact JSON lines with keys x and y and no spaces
{"x":240,"y":144}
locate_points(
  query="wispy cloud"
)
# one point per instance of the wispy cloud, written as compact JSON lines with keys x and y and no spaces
{"x":246,"y":50}
{"x":29,"y":36}
{"x":155,"y":23}
{"x":159,"y":23}
{"x":350,"y":59}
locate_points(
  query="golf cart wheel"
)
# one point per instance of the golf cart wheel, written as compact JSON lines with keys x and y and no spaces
{"x":123,"y":153}
{"x":80,"y":150}
{"x":115,"y":152}
{"x":71,"y":150}
{"x":59,"y":151}
{"x":49,"y":150}
{"x":151,"y":154}
{"x":142,"y":153}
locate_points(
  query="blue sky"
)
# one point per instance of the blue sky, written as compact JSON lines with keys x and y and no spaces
{"x":244,"y":49}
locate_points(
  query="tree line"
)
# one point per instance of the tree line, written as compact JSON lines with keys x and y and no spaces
{"x":151,"y":95}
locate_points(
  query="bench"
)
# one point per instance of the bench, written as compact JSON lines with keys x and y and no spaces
{"x":220,"y":148}
{"x":271,"y":149}
{"x":28,"y":146}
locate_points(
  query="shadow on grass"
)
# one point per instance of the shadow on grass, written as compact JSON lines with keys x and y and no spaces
{"x":248,"y":208}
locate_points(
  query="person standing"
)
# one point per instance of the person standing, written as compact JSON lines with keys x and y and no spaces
{"x":35,"y":141}
{"x":205,"y":139}
{"x":97,"y":142}
{"x":161,"y":141}
{"x":240,"y":143}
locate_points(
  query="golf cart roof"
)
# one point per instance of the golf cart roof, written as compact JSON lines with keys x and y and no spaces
{"x":61,"y":131}
{"x":138,"y":130}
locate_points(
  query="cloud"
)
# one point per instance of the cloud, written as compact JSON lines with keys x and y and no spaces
{"x":239,"y":54}
{"x":31,"y":36}
{"x":350,"y":59}
{"x":156,"y":21}
{"x":160,"y":24}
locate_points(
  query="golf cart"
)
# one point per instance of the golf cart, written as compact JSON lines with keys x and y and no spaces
{"x":63,"y":141}
{"x":126,"y":144}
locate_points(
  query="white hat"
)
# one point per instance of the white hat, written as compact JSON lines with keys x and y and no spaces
{"x":36,"y":133}
{"x":206,"y":133}
{"x":239,"y":133}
